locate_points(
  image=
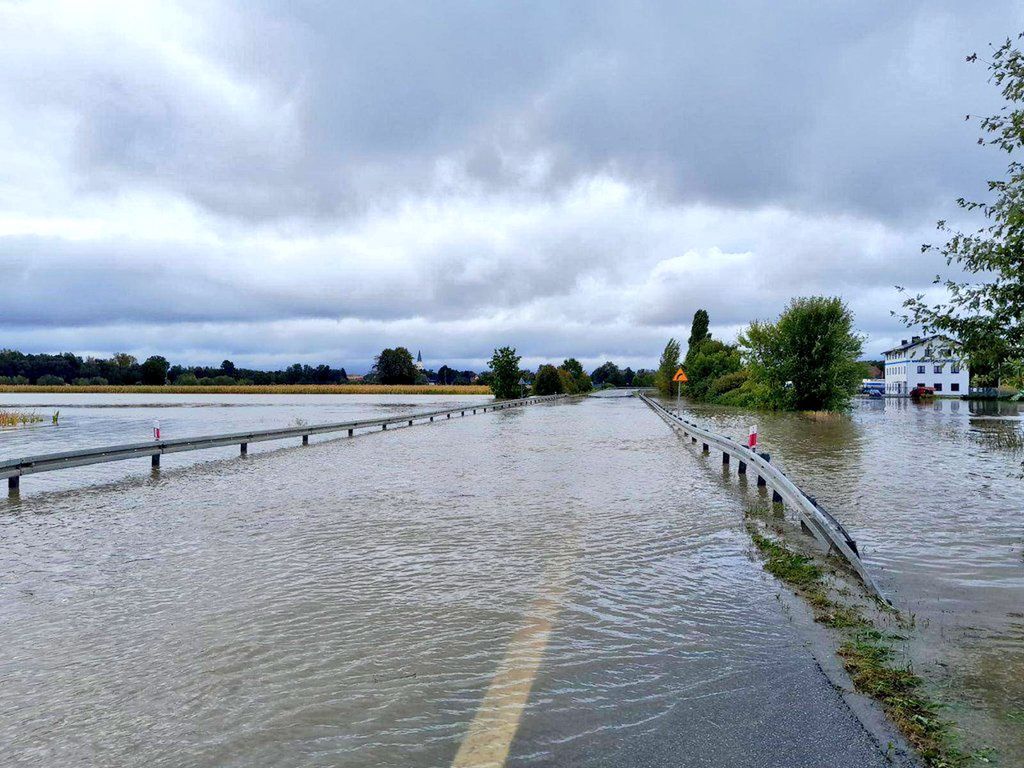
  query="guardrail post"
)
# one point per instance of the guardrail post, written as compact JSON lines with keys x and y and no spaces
{"x":776,"y":497}
{"x":154,"y":461}
{"x":351,"y":432}
{"x":431,"y":418}
{"x":693,"y":439}
{"x":761,"y":481}
{"x":383,"y":427}
{"x":13,"y":483}
{"x":742,"y":468}
{"x":243,"y":449}
{"x":305,"y":439}
{"x":725,"y":459}
{"x":410,"y":422}
{"x":705,"y":447}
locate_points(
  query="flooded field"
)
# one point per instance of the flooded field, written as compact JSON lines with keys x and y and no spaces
{"x":933,"y":493}
{"x":353,"y":602}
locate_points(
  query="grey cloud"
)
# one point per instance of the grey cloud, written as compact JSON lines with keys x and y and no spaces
{"x":321,"y":179}
{"x":319,"y":109}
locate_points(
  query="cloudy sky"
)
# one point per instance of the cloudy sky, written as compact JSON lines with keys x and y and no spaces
{"x":298,"y":181}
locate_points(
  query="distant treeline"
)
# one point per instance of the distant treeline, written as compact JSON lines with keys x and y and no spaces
{"x":123,"y":369}
{"x":392,"y":366}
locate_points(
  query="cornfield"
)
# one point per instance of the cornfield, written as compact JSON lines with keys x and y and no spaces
{"x":18,"y":418}
{"x":255,"y":389}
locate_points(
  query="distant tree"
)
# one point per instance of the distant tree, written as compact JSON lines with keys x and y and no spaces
{"x":123,"y":360}
{"x":228,"y":367}
{"x":985,"y":313}
{"x":643,"y":378}
{"x":154,"y":370}
{"x":548,"y":382}
{"x":607,"y":373}
{"x":808,"y":359}
{"x":505,"y":376}
{"x":667,"y":367}
{"x":580,"y":381}
{"x":49,"y":380}
{"x":187,"y":379}
{"x":395,"y":366}
{"x":449,"y":376}
{"x":698,"y":331}
{"x":628,"y":375}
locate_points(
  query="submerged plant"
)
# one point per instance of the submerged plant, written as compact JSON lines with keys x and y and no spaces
{"x":18,"y":418}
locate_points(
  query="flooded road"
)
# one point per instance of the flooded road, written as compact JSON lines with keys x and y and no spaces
{"x":558,"y":585}
{"x":933,"y":493}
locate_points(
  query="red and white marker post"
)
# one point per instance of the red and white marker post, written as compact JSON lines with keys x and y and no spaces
{"x":156,"y":430}
{"x":752,"y":437}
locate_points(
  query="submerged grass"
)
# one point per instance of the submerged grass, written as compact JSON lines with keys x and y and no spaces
{"x":18,"y":418}
{"x":257,"y":389}
{"x":868,"y":656}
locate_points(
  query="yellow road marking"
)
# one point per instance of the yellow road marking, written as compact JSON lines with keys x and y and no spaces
{"x":490,"y":734}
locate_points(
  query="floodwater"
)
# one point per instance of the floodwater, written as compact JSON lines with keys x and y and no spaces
{"x":353,"y":602}
{"x":934,"y":494}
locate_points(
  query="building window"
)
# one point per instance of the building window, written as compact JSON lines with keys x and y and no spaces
{"x":954,"y":368}
{"x":946,"y":352}
{"x":954,"y":387}
{"x":921,"y":384}
{"x":938,"y":369}
{"x":938,"y":386}
{"x":920,"y":369}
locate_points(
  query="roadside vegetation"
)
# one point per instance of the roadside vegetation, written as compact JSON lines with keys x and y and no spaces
{"x":806,"y":360}
{"x":869,"y":649}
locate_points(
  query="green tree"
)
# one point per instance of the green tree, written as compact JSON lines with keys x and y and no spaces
{"x":608,"y":373}
{"x":698,"y":332}
{"x":395,"y":366}
{"x":548,"y":382}
{"x":643,"y":378}
{"x":580,"y":380}
{"x":667,"y":367}
{"x":985,"y":313}
{"x":504,"y":376}
{"x":707,"y":362}
{"x":808,"y":359}
{"x":123,"y":360}
{"x":154,"y":370}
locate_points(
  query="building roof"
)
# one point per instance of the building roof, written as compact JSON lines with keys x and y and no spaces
{"x":917,"y":342}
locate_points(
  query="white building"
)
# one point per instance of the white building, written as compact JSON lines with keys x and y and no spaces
{"x":930,"y":362}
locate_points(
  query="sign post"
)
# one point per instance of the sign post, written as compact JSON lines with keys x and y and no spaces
{"x":679,"y":379}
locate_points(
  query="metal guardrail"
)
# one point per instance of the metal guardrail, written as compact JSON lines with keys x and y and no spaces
{"x":14,"y":469}
{"x":822,"y":525}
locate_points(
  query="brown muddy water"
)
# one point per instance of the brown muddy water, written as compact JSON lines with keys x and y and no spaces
{"x":934,"y":495}
{"x":348,"y":603}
